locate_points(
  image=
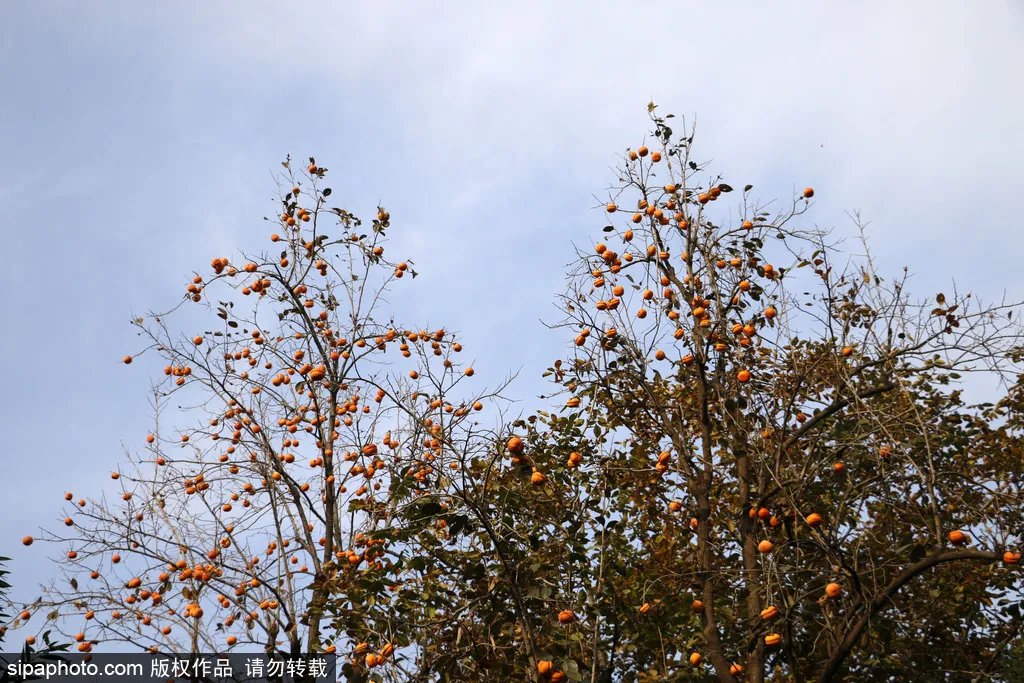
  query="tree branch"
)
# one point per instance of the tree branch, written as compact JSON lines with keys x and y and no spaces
{"x":835,"y":661}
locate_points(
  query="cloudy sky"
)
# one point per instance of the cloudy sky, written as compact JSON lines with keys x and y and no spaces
{"x":138,"y":141}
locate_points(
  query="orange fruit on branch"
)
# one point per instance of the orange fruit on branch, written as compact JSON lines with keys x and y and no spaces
{"x":957,"y":537}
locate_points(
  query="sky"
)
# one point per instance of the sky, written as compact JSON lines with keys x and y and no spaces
{"x":139,"y":141}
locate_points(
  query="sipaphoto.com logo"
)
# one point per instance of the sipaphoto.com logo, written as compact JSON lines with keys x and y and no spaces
{"x":58,"y":668}
{"x":137,"y":667}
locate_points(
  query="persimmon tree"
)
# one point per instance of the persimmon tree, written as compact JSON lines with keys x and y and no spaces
{"x":285,"y":422}
{"x":780,"y":438}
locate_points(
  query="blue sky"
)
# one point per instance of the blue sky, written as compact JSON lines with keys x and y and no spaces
{"x":139,"y":139}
